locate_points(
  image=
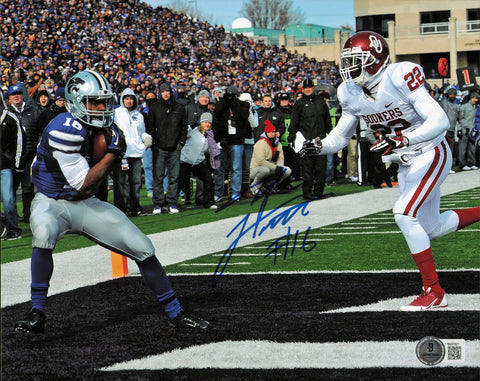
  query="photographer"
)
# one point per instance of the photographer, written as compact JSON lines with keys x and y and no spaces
{"x":231,"y":128}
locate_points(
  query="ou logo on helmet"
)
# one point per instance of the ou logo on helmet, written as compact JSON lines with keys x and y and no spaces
{"x":376,"y":44}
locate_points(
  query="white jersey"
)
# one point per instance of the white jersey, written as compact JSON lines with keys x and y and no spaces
{"x":401,"y":106}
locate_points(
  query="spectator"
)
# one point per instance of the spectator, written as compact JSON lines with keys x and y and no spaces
{"x":269,"y":112}
{"x":248,"y":145}
{"x":181,"y":95}
{"x":13,"y":167}
{"x":379,"y":173}
{"x":43,"y":100}
{"x":231,"y":128}
{"x":310,"y":119}
{"x":466,"y":119}
{"x":330,"y":174}
{"x":474,"y":138}
{"x":285,"y":107}
{"x":167,"y":124}
{"x":57,"y":107}
{"x":164,"y":46}
{"x":130,"y":121}
{"x":199,"y":142}
{"x":452,"y":110}
{"x":28,"y":117}
{"x":150,"y":98}
{"x":195,"y":110}
{"x":267,"y":169}
{"x":217,"y":94}
{"x":258,"y":100}
{"x":364,"y":161}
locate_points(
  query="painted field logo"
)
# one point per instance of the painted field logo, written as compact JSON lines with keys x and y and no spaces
{"x":430,"y":350}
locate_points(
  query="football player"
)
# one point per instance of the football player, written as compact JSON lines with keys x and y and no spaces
{"x":410,"y":126}
{"x":66,"y":179}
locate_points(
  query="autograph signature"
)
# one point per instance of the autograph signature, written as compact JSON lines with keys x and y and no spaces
{"x":284,"y":242}
{"x":263,"y":222}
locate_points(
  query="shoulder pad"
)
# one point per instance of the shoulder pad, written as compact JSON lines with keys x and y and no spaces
{"x":406,"y":76}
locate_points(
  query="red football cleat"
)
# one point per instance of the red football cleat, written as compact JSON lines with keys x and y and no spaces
{"x":427,"y":300}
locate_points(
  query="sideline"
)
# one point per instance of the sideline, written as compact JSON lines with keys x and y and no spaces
{"x":89,"y":266}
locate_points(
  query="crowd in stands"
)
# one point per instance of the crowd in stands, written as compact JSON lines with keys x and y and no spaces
{"x":147,"y":52}
{"x":134,"y":45}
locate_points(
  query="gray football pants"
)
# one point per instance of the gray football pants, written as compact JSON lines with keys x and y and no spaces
{"x":97,"y":220}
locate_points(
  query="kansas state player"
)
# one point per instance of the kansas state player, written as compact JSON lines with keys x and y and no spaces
{"x":410,"y":126}
{"x":64,"y":201}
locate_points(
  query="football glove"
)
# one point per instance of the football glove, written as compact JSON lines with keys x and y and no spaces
{"x":279,"y":171}
{"x":311,"y":147}
{"x":386,"y":145}
{"x":115,"y":140}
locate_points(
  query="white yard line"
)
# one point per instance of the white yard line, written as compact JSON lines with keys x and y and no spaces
{"x":88,"y":266}
{"x":300,"y":355}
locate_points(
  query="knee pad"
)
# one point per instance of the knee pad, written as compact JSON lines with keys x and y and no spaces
{"x":45,"y":233}
{"x":416,"y":237}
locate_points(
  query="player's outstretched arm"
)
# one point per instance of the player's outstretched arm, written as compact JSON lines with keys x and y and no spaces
{"x":340,"y":136}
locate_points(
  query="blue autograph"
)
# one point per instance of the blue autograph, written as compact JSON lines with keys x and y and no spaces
{"x":264,"y":221}
{"x":284,"y":243}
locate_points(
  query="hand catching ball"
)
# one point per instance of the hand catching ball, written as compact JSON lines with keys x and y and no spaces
{"x":99,"y":145}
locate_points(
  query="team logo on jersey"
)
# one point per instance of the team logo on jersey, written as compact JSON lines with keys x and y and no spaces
{"x":376,"y":44}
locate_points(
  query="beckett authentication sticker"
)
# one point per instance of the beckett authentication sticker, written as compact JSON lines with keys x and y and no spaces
{"x":430,"y":350}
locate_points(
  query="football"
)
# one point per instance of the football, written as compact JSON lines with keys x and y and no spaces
{"x":99,"y":146}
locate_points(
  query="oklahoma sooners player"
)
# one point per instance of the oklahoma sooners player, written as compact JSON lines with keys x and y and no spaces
{"x":410,"y":126}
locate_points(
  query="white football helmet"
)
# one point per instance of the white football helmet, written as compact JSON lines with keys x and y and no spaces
{"x":364,"y":57}
{"x":90,"y":86}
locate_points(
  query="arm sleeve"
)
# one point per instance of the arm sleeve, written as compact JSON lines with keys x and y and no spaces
{"x":294,"y":122}
{"x":74,"y":167}
{"x":150,"y":122}
{"x":436,"y":121}
{"x":340,"y":135}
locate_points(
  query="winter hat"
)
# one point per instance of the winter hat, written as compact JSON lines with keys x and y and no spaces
{"x":232,"y":89}
{"x":451,"y":90}
{"x":218,"y":89}
{"x":474,"y":95}
{"x":15,"y":89}
{"x":60,"y":93}
{"x":204,"y":93}
{"x":164,"y":87}
{"x":205,"y":117}
{"x":43,"y":92}
{"x":308,"y":83}
{"x":269,"y":127}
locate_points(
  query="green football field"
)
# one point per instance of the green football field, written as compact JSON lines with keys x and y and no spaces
{"x":370,"y":243}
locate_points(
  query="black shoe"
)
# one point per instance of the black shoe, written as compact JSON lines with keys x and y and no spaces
{"x":12,"y":235}
{"x":184,"y":320}
{"x":34,"y":322}
{"x":138,"y":213}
